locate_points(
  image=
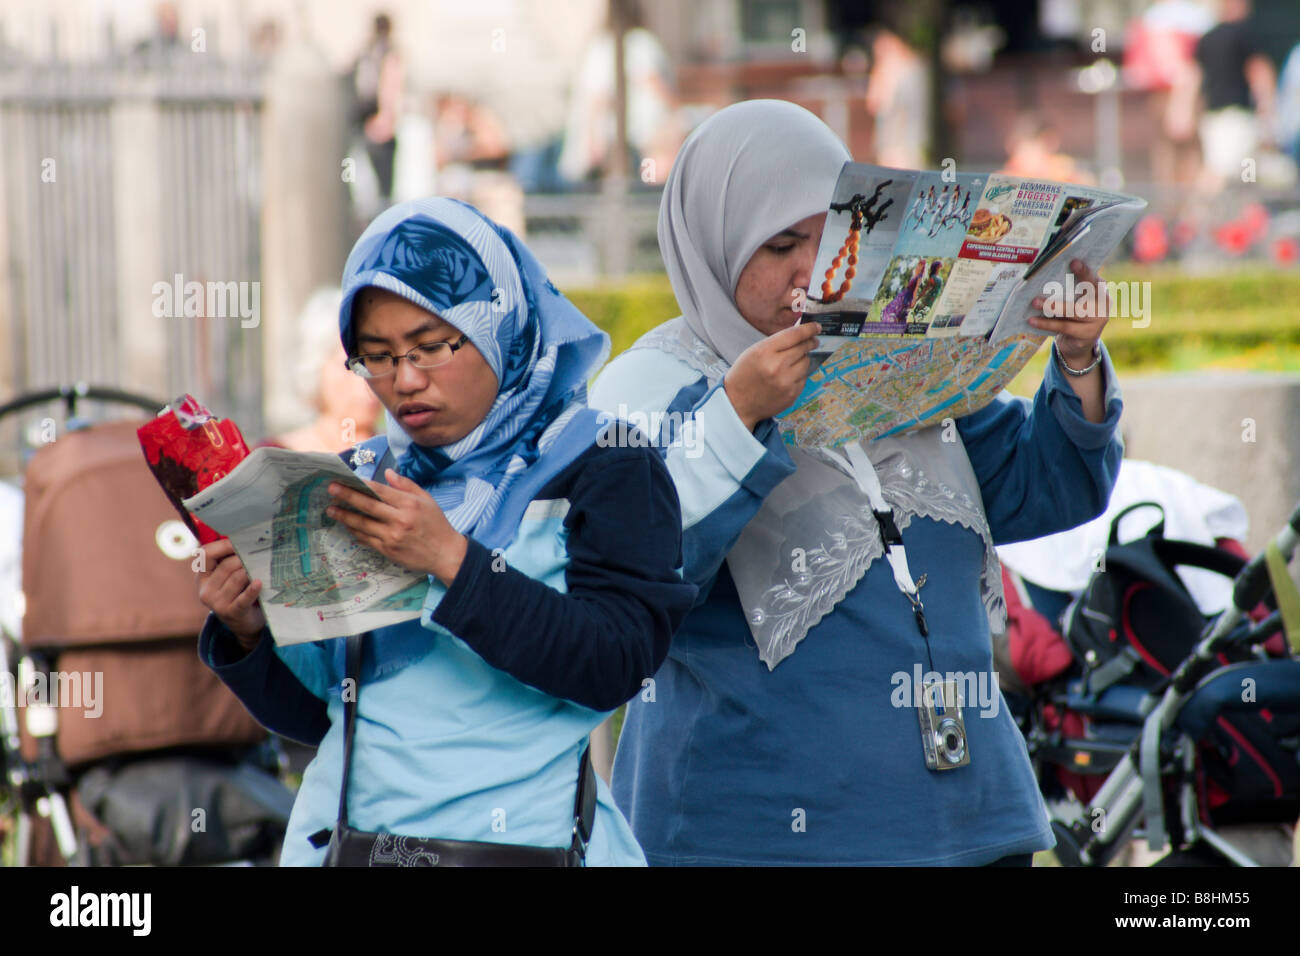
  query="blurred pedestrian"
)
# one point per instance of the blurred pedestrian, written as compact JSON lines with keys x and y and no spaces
{"x":345,"y":409}
{"x":1034,"y":152}
{"x":1159,"y":46}
{"x":378,"y":82}
{"x":470,"y":132}
{"x":473,"y":152}
{"x":163,"y":43}
{"x":652,"y":128}
{"x":1288,"y":105}
{"x":1237,"y":84}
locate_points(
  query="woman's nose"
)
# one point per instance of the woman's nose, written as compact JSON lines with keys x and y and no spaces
{"x":808,"y":252}
{"x":804,"y":265}
{"x":408,"y":378}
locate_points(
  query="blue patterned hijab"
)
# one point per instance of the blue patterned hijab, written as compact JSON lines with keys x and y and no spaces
{"x":444,"y":256}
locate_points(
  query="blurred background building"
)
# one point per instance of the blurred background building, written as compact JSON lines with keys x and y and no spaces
{"x":244,"y":145}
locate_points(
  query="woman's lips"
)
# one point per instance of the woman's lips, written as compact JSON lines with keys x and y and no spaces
{"x":417,"y":417}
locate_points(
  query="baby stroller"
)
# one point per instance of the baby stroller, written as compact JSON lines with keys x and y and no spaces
{"x":117,"y":745}
{"x":1169,"y":725}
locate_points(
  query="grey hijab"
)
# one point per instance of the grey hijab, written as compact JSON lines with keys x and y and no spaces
{"x":748,"y":168}
{"x":742,"y":176}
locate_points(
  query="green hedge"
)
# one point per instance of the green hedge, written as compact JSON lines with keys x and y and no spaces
{"x":628,"y":309}
{"x":1194,"y":320}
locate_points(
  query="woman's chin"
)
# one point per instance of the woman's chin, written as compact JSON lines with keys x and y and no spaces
{"x":429,"y":434}
{"x":436,"y":435}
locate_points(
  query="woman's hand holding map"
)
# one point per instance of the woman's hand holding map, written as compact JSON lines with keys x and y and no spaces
{"x":404,"y":524}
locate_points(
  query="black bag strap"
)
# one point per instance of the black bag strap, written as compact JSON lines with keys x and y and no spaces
{"x":584,"y":809}
{"x":1156,"y":559}
{"x":349,"y":720}
{"x":352,"y":671}
{"x":1158,"y":530}
{"x":1189,"y":554}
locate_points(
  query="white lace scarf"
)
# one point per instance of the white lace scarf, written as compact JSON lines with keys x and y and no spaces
{"x":815,"y":536}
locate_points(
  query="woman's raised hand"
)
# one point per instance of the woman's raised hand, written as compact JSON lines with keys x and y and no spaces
{"x":769,"y":375}
{"x":1078,"y":324}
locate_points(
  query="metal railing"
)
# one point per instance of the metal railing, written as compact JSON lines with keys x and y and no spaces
{"x":119,"y":174}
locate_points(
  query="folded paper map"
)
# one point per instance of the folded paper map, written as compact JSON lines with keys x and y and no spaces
{"x":317,"y":580}
{"x":922,"y":285}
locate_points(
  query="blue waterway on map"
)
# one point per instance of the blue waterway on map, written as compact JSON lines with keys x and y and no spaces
{"x":825,"y":375}
{"x":304,"y":504}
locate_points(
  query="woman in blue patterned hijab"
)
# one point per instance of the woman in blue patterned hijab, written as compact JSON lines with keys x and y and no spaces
{"x":484,"y":430}
{"x":552,"y":558}
{"x":480,"y":280}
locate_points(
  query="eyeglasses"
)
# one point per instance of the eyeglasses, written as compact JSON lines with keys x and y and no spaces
{"x":381,"y":364}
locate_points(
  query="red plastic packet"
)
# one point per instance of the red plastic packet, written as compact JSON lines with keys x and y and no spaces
{"x":189,"y":448}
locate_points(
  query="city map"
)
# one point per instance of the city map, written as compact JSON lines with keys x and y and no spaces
{"x":872,"y":387}
{"x":317,"y":580}
{"x":922,"y":285}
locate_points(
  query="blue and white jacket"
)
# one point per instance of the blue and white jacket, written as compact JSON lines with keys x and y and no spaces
{"x":722,"y":761}
{"x":529,"y":650}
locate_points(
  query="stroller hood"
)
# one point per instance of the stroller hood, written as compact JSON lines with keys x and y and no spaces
{"x":106,"y":559}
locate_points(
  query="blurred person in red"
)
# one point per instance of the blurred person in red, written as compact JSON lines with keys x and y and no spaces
{"x":1159,"y":46}
{"x":1238,"y":84}
{"x":1034,"y":152}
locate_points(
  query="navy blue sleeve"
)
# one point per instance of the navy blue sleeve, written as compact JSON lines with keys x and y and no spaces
{"x":264,"y":684}
{"x":1043,"y":467}
{"x":595,"y":644}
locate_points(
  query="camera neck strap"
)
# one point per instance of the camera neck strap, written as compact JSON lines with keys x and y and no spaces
{"x":856,"y":463}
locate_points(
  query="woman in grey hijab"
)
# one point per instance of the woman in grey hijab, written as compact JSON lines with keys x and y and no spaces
{"x":785,"y":725}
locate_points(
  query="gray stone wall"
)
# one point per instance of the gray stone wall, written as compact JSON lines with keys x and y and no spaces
{"x":1238,"y":431}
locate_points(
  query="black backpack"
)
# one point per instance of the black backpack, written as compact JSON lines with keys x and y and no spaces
{"x":1136,"y":621}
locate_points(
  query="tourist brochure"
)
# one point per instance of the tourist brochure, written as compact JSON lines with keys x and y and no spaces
{"x":922,"y":286}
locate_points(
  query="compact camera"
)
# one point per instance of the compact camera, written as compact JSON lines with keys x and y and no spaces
{"x":943,"y":732}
